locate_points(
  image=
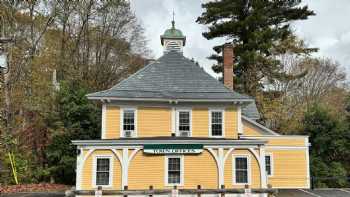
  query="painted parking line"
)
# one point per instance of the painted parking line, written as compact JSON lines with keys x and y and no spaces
{"x":328,"y":192}
{"x":312,"y":194}
{"x":344,"y":190}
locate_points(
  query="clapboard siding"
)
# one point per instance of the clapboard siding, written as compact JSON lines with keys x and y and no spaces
{"x":290,"y":169}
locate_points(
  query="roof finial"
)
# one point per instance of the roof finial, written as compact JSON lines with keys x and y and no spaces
{"x":173,"y":21}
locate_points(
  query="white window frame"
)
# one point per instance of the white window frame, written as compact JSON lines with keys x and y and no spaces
{"x":223,"y":122}
{"x":271,"y":163}
{"x":110,"y":157}
{"x":178,"y":110}
{"x":121,"y":122}
{"x":182,"y":167}
{"x":234,"y":169}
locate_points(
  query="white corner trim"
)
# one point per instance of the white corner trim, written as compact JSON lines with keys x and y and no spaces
{"x":79,"y":167}
{"x":173,"y":120}
{"x":222,"y":110}
{"x":234,"y":156}
{"x":183,"y":109}
{"x":307,"y":155}
{"x":104,"y":121}
{"x":111,"y":161}
{"x":121,"y":122}
{"x":239,"y":121}
{"x":182,"y":168}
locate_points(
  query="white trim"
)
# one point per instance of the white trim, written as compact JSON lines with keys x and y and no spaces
{"x":121,"y":122}
{"x":240,"y":129}
{"x":80,"y":159}
{"x":307,"y":154}
{"x":271,"y":164}
{"x":173,"y":120}
{"x":111,"y":161}
{"x":262,"y":127}
{"x":178,"y":110}
{"x":134,"y":143}
{"x":287,"y":147}
{"x":182,"y":163}
{"x":261,"y":162}
{"x":235,"y":101}
{"x":276,"y":136}
{"x":104,"y":121}
{"x":210,"y":111}
{"x":234,"y":156}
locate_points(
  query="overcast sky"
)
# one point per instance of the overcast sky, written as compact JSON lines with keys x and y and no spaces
{"x":329,"y":30}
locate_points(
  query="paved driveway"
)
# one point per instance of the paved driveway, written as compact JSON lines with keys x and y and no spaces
{"x":35,"y":194}
{"x":314,"y":193}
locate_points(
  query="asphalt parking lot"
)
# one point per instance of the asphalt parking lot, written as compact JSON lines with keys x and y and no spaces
{"x":314,"y":193}
{"x":35,"y":194}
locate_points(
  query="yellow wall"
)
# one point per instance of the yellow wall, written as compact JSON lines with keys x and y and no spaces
{"x":87,"y":175}
{"x":112,"y":122}
{"x":200,"y":122}
{"x":146,"y":170}
{"x":250,"y":130}
{"x":290,"y":169}
{"x":286,"y":141}
{"x":153,"y":121}
{"x":201,"y":169}
{"x":255,"y":170}
{"x":156,"y":121}
{"x":231,"y":122}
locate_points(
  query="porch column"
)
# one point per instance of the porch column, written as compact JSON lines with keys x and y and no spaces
{"x":125,"y":167}
{"x":263,"y":176}
{"x":78,"y":170}
{"x":126,"y":159}
{"x":220,"y":158}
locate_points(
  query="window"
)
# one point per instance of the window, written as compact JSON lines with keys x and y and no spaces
{"x":102,"y":171}
{"x":268,"y":164}
{"x":174,"y":166}
{"x":216,"y":123}
{"x":184,"y":123}
{"x":241,"y":170}
{"x":128,"y":123}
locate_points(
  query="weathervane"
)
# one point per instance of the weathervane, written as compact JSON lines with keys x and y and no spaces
{"x":173,"y":21}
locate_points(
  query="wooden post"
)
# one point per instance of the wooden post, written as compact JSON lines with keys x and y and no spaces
{"x":151,"y":189}
{"x":174,"y":192}
{"x":98,"y":192}
{"x":199,"y":187}
{"x":269,"y":186}
{"x":222,"y":193}
{"x":125,"y":188}
{"x":247,"y":189}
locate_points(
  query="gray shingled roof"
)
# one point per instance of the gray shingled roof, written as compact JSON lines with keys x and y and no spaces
{"x":251,"y":111}
{"x":172,"y":76}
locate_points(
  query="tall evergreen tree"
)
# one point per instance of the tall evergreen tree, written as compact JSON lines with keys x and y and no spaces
{"x":260,"y":31}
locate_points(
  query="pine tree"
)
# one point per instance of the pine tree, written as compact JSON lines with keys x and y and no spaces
{"x":260,"y":31}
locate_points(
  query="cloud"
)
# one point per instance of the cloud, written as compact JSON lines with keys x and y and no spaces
{"x":329,"y":30}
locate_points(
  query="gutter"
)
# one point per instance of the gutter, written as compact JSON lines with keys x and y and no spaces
{"x":143,"y":142}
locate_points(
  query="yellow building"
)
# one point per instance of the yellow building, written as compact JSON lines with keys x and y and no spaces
{"x":172,"y":124}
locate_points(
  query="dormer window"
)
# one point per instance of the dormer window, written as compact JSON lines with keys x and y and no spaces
{"x":128,"y":122}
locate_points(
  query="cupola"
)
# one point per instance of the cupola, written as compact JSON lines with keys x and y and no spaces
{"x":173,"y":39}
